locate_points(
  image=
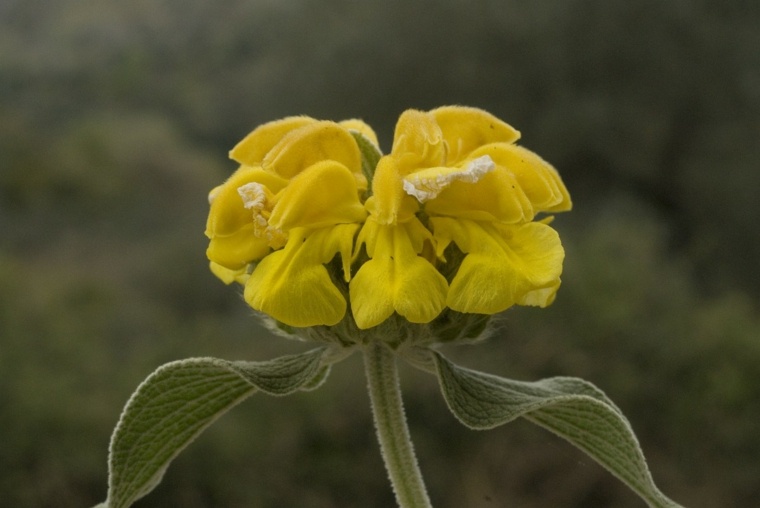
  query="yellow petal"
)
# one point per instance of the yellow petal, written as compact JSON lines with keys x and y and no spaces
{"x":371,"y":233}
{"x":396,"y":278}
{"x":536,"y":177}
{"x":360,"y":127}
{"x":252,"y":149}
{"x":322,"y":195}
{"x":540,"y":297}
{"x":236,"y":250}
{"x":293,"y":286}
{"x":230,"y":226}
{"x":312,"y":143}
{"x":388,"y":195}
{"x":417,"y":142}
{"x":496,"y":196}
{"x":228,"y":213}
{"x":504,"y":265}
{"x":229,"y":276}
{"x":465,"y":129}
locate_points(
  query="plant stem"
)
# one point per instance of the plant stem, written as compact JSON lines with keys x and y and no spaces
{"x":392,"y":431}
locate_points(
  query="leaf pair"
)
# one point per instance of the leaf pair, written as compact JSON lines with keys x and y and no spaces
{"x":181,"y":399}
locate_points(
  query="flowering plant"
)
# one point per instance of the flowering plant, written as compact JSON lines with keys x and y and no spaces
{"x":387,"y":255}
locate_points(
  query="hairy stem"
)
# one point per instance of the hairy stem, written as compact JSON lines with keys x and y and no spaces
{"x":392,"y":431}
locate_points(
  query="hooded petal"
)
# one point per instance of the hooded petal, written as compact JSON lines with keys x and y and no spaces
{"x":496,"y":196}
{"x":465,"y":129}
{"x":396,"y":278}
{"x":360,"y":127}
{"x":236,"y":250}
{"x":228,"y":212}
{"x":389,"y":203}
{"x":417,"y":142}
{"x":537,"y":178}
{"x":293,"y":286}
{"x":230,"y":225}
{"x":252,"y":149}
{"x":322,"y":195}
{"x":504,"y":265}
{"x":312,"y":143}
{"x":477,"y":190}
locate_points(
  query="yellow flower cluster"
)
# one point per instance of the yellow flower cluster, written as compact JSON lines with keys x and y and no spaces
{"x":454,"y":184}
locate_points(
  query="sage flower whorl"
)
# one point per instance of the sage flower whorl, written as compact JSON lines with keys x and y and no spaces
{"x":455,"y":188}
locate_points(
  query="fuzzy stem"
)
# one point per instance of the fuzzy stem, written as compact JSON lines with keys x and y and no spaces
{"x":392,"y":431}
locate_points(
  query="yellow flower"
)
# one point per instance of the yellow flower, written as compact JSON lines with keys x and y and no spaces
{"x":293,"y":204}
{"x":480,"y":192}
{"x":450,"y":220}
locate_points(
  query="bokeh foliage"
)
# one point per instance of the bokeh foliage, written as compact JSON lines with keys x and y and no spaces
{"x":115,"y":118}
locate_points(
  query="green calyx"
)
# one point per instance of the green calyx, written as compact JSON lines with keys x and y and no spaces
{"x":449,"y":327}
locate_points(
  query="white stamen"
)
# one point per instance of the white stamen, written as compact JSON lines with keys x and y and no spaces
{"x":253,"y":195}
{"x":425,"y":188}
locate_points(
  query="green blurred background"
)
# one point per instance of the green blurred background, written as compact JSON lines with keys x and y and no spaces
{"x":115,"y":121}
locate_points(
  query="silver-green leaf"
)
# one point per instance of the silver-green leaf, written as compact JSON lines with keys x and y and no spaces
{"x":569,"y":407}
{"x":370,"y":156}
{"x":181,"y":399}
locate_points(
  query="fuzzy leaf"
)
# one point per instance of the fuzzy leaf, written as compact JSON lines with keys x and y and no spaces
{"x":572,"y":408}
{"x":179,"y":400}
